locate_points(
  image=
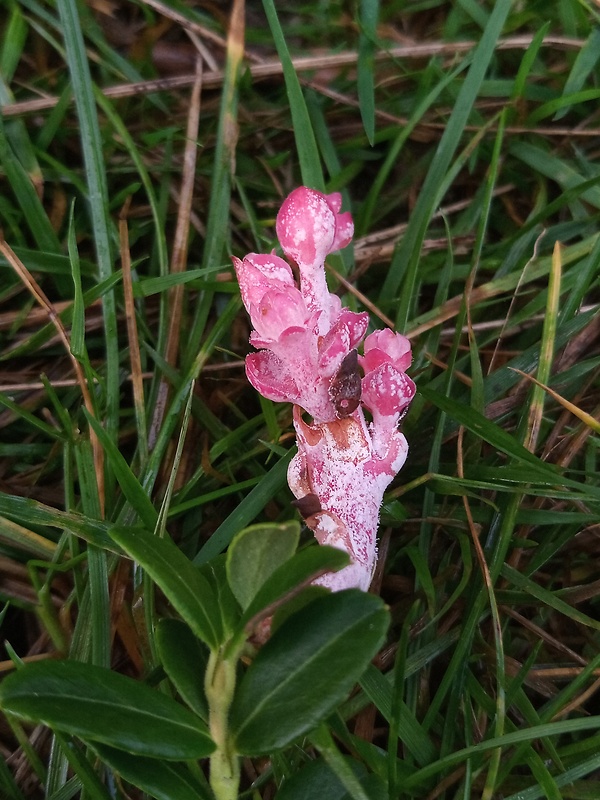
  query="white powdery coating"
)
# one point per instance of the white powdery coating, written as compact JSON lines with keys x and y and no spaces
{"x":336,"y":462}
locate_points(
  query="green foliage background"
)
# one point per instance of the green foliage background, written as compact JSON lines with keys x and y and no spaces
{"x":464,"y":138}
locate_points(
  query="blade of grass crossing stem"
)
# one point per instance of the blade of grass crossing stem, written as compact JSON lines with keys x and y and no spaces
{"x":306,"y":144}
{"x":538,"y":395}
{"x":368,"y":19}
{"x":409,"y":251}
{"x":91,"y":144}
{"x":217,"y":225}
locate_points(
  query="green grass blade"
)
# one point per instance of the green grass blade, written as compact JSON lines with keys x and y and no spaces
{"x":407,"y":257}
{"x":583,"y":67}
{"x":368,"y":19}
{"x":20,"y":182}
{"x":91,"y":143}
{"x":306,"y":144}
{"x":246,"y":511}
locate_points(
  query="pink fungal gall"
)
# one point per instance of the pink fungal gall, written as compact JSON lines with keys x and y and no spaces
{"x":307,"y":355}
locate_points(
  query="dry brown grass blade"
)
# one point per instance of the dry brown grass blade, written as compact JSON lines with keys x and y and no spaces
{"x":587,"y":419}
{"x":180,"y":242}
{"x":40,"y":297}
{"x":180,"y":247}
{"x":137,"y":377}
{"x":186,"y":24}
{"x":272,"y":68}
{"x":361,"y":297}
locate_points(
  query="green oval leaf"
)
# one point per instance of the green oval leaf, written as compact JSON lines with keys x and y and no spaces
{"x":184,"y":659}
{"x":290,"y":578}
{"x":256,"y":553}
{"x":307,"y":667}
{"x":163,"y":780}
{"x":99,"y":705}
{"x":179,"y":579}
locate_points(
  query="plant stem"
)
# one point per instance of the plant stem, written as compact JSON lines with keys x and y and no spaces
{"x":224,"y":762}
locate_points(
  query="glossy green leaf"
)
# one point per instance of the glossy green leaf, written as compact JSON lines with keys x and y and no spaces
{"x":163,"y":780}
{"x":99,"y":705}
{"x":184,"y":659}
{"x":179,"y":579}
{"x":317,"y":779}
{"x":291,"y":604}
{"x":256,"y":553}
{"x":290,"y":578}
{"x":310,"y":663}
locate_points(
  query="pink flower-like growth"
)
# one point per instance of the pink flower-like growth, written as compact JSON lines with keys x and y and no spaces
{"x":302,"y":334}
{"x":307,"y":355}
